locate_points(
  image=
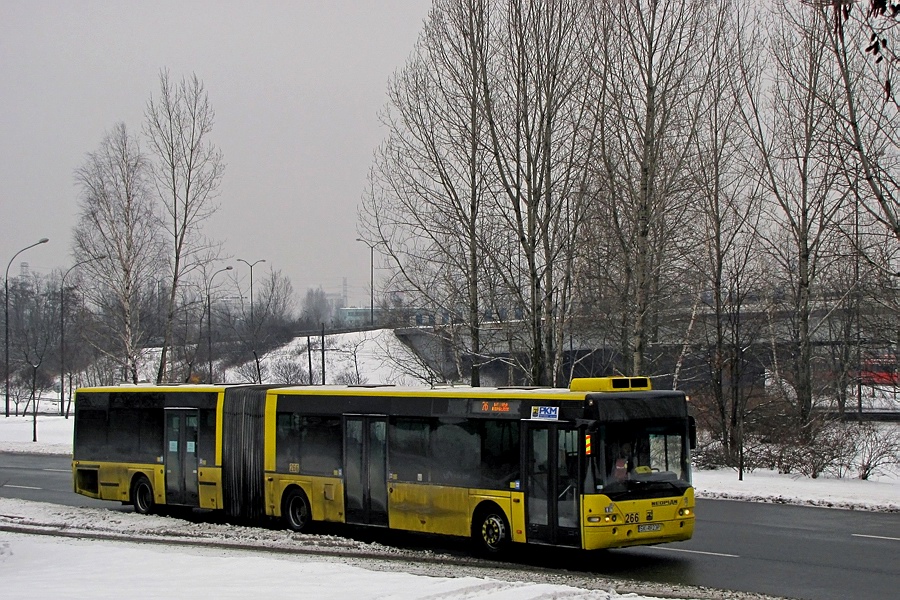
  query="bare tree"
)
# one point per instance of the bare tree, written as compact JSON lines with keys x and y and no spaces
{"x":653,"y":67}
{"x":536,"y":92}
{"x":289,"y":371}
{"x":317,"y":309}
{"x":793,"y":134}
{"x":117,"y":220}
{"x":33,"y":322}
{"x":187,"y":171}
{"x":867,"y":107}
{"x":272,"y":323}
{"x":351,"y":374}
{"x":187,"y":331}
{"x":728,"y":212}
{"x":33,"y":319}
{"x":424,"y":206}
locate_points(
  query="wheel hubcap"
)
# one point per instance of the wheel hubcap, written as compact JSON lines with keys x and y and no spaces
{"x":492,"y":532}
{"x":142,"y":497}
{"x":298,"y":512}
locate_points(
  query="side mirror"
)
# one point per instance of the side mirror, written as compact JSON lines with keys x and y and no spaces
{"x":692,"y":432}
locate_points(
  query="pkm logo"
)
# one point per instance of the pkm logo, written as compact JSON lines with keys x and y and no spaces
{"x":649,"y":515}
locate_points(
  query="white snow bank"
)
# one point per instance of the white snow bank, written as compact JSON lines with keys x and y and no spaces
{"x":94,"y":569}
{"x":769,"y":486}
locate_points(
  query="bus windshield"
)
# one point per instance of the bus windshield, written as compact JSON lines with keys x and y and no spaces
{"x":638,"y":460}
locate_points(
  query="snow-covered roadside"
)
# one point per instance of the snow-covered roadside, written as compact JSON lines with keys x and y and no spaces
{"x":54,"y":434}
{"x":84,"y":568}
{"x":882,"y":494}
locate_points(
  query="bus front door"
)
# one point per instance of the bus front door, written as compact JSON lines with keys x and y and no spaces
{"x":181,"y":456}
{"x":551,"y":484}
{"x":365,"y":470}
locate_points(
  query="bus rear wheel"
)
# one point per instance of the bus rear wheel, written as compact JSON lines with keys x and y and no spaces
{"x":491,"y":532}
{"x":142,"y":496}
{"x":295,"y":510}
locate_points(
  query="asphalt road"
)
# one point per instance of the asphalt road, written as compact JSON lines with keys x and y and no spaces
{"x":42,"y":478}
{"x":792,"y":551}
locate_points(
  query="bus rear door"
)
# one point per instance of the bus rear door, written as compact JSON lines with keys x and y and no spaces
{"x":551,"y":483}
{"x":181,"y":456}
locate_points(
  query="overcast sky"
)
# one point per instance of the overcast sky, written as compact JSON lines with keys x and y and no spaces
{"x":297,"y":86}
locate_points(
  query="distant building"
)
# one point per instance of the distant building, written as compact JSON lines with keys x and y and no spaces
{"x":353,"y":316}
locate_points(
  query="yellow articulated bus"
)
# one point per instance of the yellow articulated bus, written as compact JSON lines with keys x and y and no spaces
{"x":603,"y":464}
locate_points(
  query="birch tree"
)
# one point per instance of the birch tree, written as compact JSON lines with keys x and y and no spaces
{"x":117,"y":220}
{"x":728,"y":212}
{"x":187,"y":171}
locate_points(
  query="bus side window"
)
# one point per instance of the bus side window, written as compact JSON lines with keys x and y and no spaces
{"x":408,"y":449}
{"x":499,"y":453}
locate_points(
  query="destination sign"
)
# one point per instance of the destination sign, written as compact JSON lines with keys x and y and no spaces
{"x":494,"y":407}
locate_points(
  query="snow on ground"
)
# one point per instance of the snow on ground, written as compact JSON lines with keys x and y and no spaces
{"x":91,"y":569}
{"x":54,"y":434}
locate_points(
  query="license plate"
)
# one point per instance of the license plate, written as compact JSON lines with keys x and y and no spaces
{"x":649,"y":527}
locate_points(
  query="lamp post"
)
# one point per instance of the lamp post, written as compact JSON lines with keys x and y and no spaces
{"x":371,"y":280}
{"x":62,"y":332}
{"x":209,"y":320}
{"x":251,"y":265}
{"x":252,"y":323}
{"x":6,"y":313}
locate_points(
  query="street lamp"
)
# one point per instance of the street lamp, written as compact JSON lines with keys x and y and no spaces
{"x":62,"y":332}
{"x":371,"y":280}
{"x":6,"y":313}
{"x":209,"y":320}
{"x":252,"y":324}
{"x":251,"y":265}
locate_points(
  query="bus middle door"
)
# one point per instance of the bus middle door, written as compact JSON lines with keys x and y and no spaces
{"x":551,"y":483}
{"x":181,"y":456}
{"x":365,"y":469}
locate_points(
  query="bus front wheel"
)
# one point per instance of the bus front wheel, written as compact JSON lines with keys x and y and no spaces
{"x":295,"y":510}
{"x":142,"y":496}
{"x":491,"y":532}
